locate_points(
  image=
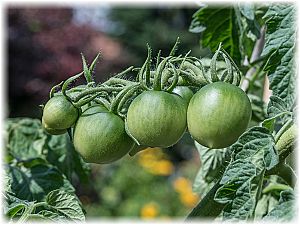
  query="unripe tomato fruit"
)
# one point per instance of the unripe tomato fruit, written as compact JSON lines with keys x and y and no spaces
{"x":157,"y":118}
{"x":100,"y":136}
{"x":59,"y":113}
{"x":184,"y":92}
{"x":218,"y":114}
{"x":52,"y":131}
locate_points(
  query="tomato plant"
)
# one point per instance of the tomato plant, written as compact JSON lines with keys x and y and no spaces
{"x":218,"y":114}
{"x":247,"y":171}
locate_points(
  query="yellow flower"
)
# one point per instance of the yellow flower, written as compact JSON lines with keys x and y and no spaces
{"x":155,"y":162}
{"x":189,"y":199}
{"x":162,"y":167}
{"x":150,"y":210}
{"x":182,"y":185}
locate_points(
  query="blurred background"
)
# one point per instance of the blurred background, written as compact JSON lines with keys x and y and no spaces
{"x":44,"y":46}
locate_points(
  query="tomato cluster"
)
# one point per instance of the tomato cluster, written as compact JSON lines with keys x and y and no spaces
{"x":109,"y":120}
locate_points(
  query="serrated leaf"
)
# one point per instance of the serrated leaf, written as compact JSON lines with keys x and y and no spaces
{"x":61,"y":153}
{"x":65,"y":204}
{"x":218,"y":25}
{"x":236,"y":175}
{"x":52,"y":216}
{"x":276,"y":106}
{"x":212,"y":163}
{"x":253,"y":153}
{"x":242,"y":206}
{"x":254,"y":140}
{"x":36,"y":182}
{"x":278,"y":112}
{"x":258,"y":108}
{"x":236,"y":28}
{"x":26,"y":139}
{"x":280,"y":49}
{"x":285,"y":210}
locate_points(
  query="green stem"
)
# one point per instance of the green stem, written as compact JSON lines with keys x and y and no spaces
{"x":54,"y":89}
{"x":175,"y":80}
{"x":95,"y":90}
{"x":92,"y":66}
{"x":143,"y":82}
{"x":31,"y":208}
{"x":121,"y":74}
{"x":67,"y":83}
{"x":238,"y":76}
{"x":213,"y":65}
{"x":158,"y":59}
{"x":102,"y":101}
{"x":166,"y":75}
{"x":113,"y":81}
{"x":126,"y":97}
{"x":191,"y":79}
{"x":258,"y":193}
{"x":87,"y":74}
{"x":158,"y":74}
{"x":118,"y":98}
{"x":198,"y":72}
{"x":283,"y":129}
{"x":175,"y":47}
{"x":86,"y":100}
{"x":229,"y":77}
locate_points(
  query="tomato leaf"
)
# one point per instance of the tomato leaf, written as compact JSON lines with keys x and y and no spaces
{"x":61,"y":153}
{"x":212,"y":162}
{"x":52,"y":216}
{"x":278,"y":112}
{"x":285,"y":210}
{"x":25,"y":139}
{"x":217,"y":25}
{"x":36,"y":182}
{"x":236,"y":29}
{"x":280,"y":50}
{"x":14,"y":209}
{"x":253,"y":153}
{"x":65,"y":204}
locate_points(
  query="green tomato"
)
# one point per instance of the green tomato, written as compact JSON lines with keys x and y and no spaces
{"x":184,"y":92}
{"x":52,"y":131}
{"x":59,"y":113}
{"x":157,"y":118}
{"x":100,"y":136}
{"x":218,"y":114}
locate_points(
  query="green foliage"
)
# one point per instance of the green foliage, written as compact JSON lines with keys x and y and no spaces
{"x":241,"y":182}
{"x":257,"y":183}
{"x":39,"y":170}
{"x":235,"y":27}
{"x":213,"y":162}
{"x":253,"y":179}
{"x":280,"y":51}
{"x":284,"y":211}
